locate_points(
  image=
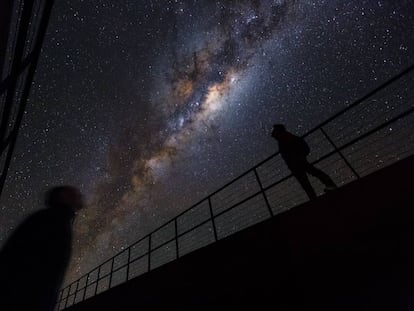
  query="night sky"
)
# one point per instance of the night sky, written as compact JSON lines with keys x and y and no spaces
{"x":147,"y":106}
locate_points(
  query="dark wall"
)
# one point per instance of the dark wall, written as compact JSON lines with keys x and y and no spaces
{"x":348,"y":250}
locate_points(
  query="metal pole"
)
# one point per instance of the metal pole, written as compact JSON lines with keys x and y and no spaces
{"x":86,"y":286}
{"x":212,"y":219}
{"x":149,"y":253}
{"x":67,"y":297}
{"x":76,"y":291}
{"x":110,"y":273}
{"x":17,"y":58}
{"x":27,"y":84}
{"x":263,"y":192}
{"x":60,"y":296}
{"x":176,"y":238}
{"x":97,"y":280}
{"x":129,"y":259}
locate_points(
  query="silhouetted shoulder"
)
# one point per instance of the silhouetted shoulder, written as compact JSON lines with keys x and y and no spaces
{"x":33,"y":260}
{"x":40,"y":227}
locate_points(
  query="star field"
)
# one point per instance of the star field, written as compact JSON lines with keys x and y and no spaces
{"x":147,"y":106}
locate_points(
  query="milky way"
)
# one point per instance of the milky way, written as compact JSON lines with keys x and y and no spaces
{"x":190,"y":95}
{"x":148,"y":106}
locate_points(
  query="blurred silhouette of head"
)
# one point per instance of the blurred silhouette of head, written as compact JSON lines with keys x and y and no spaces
{"x":277,"y":130}
{"x":64,"y":196}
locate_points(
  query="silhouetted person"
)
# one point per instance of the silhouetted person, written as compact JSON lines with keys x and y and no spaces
{"x":34,"y":259}
{"x":294,"y":151}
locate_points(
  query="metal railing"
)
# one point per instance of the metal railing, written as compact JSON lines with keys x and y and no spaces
{"x":373,"y":132}
{"x":23,"y":25}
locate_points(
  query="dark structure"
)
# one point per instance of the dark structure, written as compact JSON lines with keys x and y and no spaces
{"x":269,"y":191}
{"x":34,"y":259}
{"x":350,"y":249}
{"x":294,"y":150}
{"x":23,"y":25}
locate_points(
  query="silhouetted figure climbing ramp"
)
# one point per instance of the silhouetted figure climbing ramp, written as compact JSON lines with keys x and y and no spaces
{"x":294,"y":151}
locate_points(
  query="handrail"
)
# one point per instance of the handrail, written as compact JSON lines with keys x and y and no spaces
{"x":260,"y":190}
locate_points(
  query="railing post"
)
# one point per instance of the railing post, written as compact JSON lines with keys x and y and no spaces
{"x":212,"y":219}
{"x":263,"y":192}
{"x":129,"y":259}
{"x":111,"y":272}
{"x":97,"y":280}
{"x":149,"y":252}
{"x":60,"y":297}
{"x":86,"y":286}
{"x":76,"y":291}
{"x":340,"y":153}
{"x":176,"y":238}
{"x":67,"y":296}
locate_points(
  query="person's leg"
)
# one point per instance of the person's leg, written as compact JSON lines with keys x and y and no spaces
{"x":322,"y":176}
{"x":305,"y":183}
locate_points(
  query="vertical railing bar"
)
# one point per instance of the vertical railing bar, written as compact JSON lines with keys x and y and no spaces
{"x":76,"y":291}
{"x":340,"y":153}
{"x":66,"y":301}
{"x":57,"y":304}
{"x":212,"y":219}
{"x":263,"y":192}
{"x":128,"y":262}
{"x":97,"y":280}
{"x":176,"y":238}
{"x":149,"y":252}
{"x":111,"y":272}
{"x":61,"y":295}
{"x":68,"y":290}
{"x":67,"y":296}
{"x":86,"y":286}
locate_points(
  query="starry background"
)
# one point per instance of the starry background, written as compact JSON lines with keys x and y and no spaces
{"x":147,"y":106}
